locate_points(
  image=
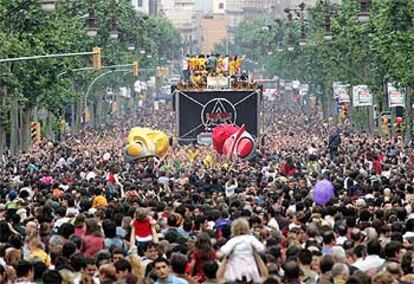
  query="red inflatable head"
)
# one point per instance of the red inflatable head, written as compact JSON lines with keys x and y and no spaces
{"x":232,"y":141}
{"x":399,"y":120}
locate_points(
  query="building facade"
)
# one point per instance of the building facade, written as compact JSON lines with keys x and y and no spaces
{"x":219,"y":7}
{"x":148,"y":7}
{"x":237,"y":10}
{"x":186,"y":19}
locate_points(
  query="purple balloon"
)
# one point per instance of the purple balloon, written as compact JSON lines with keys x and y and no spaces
{"x":323,"y":192}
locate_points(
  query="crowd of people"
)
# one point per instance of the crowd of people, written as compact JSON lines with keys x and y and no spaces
{"x":76,"y":212}
{"x":196,"y":69}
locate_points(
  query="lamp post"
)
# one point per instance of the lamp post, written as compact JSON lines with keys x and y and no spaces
{"x":300,"y":14}
{"x":303,"y":41}
{"x":363,"y":15}
{"x":279,"y":48}
{"x":114,"y":31}
{"x":131,"y":43}
{"x":328,"y":35}
{"x":48,"y":5}
{"x":114,"y":28}
{"x":92,"y":31}
{"x":291,"y":42}
{"x":303,"y":37}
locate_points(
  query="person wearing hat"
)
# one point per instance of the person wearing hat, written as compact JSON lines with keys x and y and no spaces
{"x":11,"y":202}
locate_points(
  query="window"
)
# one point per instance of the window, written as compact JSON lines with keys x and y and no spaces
{"x":139,"y":3}
{"x":221,"y":6}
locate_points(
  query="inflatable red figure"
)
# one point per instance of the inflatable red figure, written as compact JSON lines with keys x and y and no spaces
{"x":232,"y":141}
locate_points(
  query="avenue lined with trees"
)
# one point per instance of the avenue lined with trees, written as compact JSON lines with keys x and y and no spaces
{"x":347,"y":42}
{"x":28,"y":88}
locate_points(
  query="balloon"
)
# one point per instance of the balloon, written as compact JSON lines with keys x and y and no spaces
{"x":239,"y":145}
{"x":143,"y":143}
{"x":323,"y":192}
{"x":220,"y":135}
{"x":232,"y":141}
{"x":106,"y":156}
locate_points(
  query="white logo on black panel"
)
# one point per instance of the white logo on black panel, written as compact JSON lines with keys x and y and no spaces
{"x":218,"y":111}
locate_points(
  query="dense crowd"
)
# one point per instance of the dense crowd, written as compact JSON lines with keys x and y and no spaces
{"x":75,"y":212}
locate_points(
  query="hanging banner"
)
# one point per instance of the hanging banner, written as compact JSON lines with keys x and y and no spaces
{"x":304,"y":90}
{"x":361,"y":96}
{"x":341,"y":92}
{"x":396,"y":96}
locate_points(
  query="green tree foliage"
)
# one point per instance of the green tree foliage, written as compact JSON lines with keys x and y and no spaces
{"x":360,"y":53}
{"x":26,"y":30}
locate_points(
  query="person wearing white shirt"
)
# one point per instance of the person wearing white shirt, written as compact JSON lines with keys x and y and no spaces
{"x":230,"y":187}
{"x":342,"y":230}
{"x":185,"y":68}
{"x":373,"y":260}
{"x":226,"y":64}
{"x":240,"y":250}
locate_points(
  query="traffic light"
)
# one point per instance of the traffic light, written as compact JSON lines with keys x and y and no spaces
{"x":384,"y":120}
{"x":35,"y":132}
{"x":135,"y":69}
{"x":399,"y":121}
{"x":345,"y":110}
{"x":385,"y":123}
{"x":97,"y":63}
{"x":62,"y":125}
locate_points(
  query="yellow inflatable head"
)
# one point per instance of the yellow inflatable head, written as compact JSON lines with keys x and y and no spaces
{"x":144,"y":143}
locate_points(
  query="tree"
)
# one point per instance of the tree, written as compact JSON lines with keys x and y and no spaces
{"x":26,"y":30}
{"x":369,"y":53}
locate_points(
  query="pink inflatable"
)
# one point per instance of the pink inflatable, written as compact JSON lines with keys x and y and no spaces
{"x":232,"y":141}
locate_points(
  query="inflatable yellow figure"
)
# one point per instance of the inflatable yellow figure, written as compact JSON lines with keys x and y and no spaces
{"x":144,"y":143}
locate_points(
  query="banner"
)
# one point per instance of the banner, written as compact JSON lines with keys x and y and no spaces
{"x":217,"y":82}
{"x":304,"y":90}
{"x":361,"y":96}
{"x":199,"y":112}
{"x":396,"y":96}
{"x":341,"y":92}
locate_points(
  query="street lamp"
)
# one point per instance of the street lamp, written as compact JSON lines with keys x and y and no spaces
{"x":291,"y":43}
{"x":363,"y":15}
{"x":114,"y":31}
{"x":48,"y":5}
{"x":303,"y":41}
{"x":131,"y":48}
{"x":328,"y":32}
{"x":131,"y":44}
{"x":300,"y":14}
{"x":92,"y":31}
{"x":303,"y":38}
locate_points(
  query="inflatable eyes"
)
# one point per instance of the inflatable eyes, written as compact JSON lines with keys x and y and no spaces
{"x":238,"y":143}
{"x":135,"y":149}
{"x":245,"y":147}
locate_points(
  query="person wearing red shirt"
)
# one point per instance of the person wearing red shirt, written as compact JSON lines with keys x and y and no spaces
{"x":143,"y":228}
{"x":377,"y":165}
{"x":202,"y":253}
{"x":93,"y":241}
